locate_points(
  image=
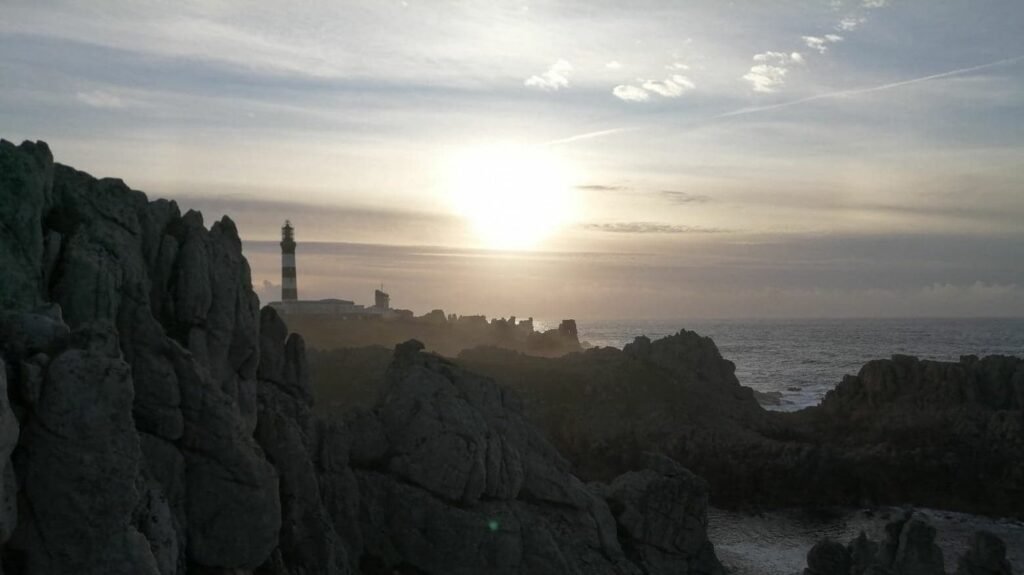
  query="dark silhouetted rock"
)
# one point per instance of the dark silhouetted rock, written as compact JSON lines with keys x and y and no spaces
{"x":908,"y":549}
{"x":985,"y":556}
{"x":662,"y":516}
{"x":828,"y":558}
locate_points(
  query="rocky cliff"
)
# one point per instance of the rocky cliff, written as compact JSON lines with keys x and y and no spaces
{"x":937,"y":434}
{"x":157,"y":422}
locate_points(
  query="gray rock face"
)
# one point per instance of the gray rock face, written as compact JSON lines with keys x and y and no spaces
{"x":8,"y":439}
{"x":142,"y":418}
{"x":466,"y":485}
{"x":81,"y":443}
{"x":662,"y":514}
{"x":986,"y":556}
{"x":159,"y":424}
{"x":908,"y":549}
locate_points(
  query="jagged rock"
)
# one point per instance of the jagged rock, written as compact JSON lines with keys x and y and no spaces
{"x":26,"y":186}
{"x":863,"y":554}
{"x":917,"y":553}
{"x":79,"y":457}
{"x":662,"y":513}
{"x":828,"y":557}
{"x":466,"y":485}
{"x":909,"y":549}
{"x":938,"y":434}
{"x":8,"y":439}
{"x":307,"y":537}
{"x":152,"y":292}
{"x":985,"y":556}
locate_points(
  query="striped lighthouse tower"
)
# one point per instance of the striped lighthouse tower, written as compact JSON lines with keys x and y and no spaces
{"x":289,"y":288}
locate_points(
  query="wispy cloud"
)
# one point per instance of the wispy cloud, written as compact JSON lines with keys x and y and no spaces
{"x":648,"y":228}
{"x":879,"y":88}
{"x":630,"y":93}
{"x":682,"y":198}
{"x":672,"y":87}
{"x":613,"y":65}
{"x":850,"y":23}
{"x":600,"y":188}
{"x":820,"y":43}
{"x":770,"y":70}
{"x":555,"y":78}
{"x":100,"y":99}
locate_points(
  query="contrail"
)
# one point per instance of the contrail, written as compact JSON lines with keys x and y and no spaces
{"x":589,"y":135}
{"x":838,"y":94}
{"x":858,"y":91}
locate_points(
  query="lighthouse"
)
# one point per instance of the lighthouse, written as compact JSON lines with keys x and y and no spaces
{"x":289,"y":287}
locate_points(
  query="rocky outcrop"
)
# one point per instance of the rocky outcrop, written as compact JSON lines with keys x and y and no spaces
{"x":491,"y":495}
{"x":904,"y":431}
{"x":131,"y":332}
{"x":985,"y":556}
{"x":952,"y":432}
{"x":157,"y":422}
{"x":908,"y":549}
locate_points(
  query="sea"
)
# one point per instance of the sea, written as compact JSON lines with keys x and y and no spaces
{"x":801,"y":359}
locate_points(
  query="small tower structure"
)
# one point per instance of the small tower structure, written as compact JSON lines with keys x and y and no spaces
{"x":289,"y":285}
{"x":381,"y":299}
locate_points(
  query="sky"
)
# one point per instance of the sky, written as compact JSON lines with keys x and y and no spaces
{"x":589,"y":159}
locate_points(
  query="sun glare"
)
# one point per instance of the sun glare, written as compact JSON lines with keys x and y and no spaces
{"x":514,"y":196}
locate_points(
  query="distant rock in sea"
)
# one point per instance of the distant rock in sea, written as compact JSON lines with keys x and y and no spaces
{"x":909,"y":548}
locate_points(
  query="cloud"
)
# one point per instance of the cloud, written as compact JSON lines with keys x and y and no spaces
{"x":770,"y":70}
{"x":100,"y":99}
{"x":820,"y":43}
{"x":677,"y":66}
{"x":858,"y":91}
{"x":850,"y":23}
{"x":613,"y":65}
{"x":630,"y":93}
{"x":600,"y":188}
{"x":648,"y":228}
{"x":672,"y":87}
{"x":681,"y":198}
{"x":874,"y":3}
{"x":556,"y":77}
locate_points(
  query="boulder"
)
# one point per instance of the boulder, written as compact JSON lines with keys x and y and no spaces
{"x":985,"y":556}
{"x":828,"y":557}
{"x":661,"y":512}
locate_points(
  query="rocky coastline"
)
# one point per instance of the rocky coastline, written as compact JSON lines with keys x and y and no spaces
{"x":157,"y":421}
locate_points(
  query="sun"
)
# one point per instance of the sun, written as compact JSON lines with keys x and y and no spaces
{"x":514,"y":196}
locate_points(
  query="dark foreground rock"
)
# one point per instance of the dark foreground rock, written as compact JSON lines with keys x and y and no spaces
{"x":155,"y":421}
{"x":909,"y":548}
